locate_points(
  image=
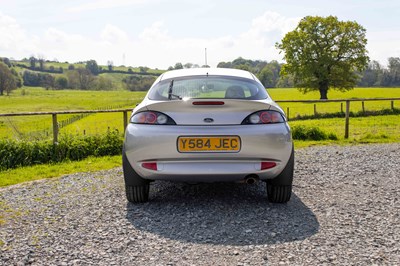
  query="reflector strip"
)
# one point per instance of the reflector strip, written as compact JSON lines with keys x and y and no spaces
{"x":267,"y":165}
{"x":150,"y":166}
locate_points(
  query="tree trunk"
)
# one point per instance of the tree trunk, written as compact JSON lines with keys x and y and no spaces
{"x":324,"y":94}
{"x":323,"y":90}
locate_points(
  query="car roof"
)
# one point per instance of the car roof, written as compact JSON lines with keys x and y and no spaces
{"x":206,"y":71}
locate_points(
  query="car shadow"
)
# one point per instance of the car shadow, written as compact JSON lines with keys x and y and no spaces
{"x":221,"y":214}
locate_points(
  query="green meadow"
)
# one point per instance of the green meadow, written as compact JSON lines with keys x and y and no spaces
{"x":373,"y":129}
{"x":296,"y":109}
{"x":29,"y":99}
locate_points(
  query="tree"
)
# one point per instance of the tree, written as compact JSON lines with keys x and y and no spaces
{"x":17,"y":78}
{"x":61,"y":82}
{"x":32,"y":62}
{"x":41,"y":61}
{"x":178,"y":66}
{"x":7,"y":79}
{"x":138,"y":83}
{"x":188,"y":65}
{"x":110,"y":65}
{"x":143,"y":69}
{"x":92,"y":66}
{"x":85,"y":79}
{"x":394,"y":71}
{"x":47,"y":81}
{"x":103,"y":84}
{"x":269,"y":75}
{"x":323,"y":53}
{"x":6,"y":61}
{"x":372,"y":75}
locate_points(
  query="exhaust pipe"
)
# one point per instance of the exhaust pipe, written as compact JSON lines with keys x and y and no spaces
{"x":251,"y":179}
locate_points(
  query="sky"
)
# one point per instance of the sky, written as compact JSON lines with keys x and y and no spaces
{"x":160,"y":33}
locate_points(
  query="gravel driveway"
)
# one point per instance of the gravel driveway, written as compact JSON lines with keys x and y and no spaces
{"x":345,"y":210}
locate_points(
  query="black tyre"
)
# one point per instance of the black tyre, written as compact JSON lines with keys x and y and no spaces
{"x":137,"y":194}
{"x":136,"y":187}
{"x":279,"y":194}
{"x":279,"y":189}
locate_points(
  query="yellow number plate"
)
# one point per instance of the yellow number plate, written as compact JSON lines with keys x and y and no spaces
{"x":209,"y":144}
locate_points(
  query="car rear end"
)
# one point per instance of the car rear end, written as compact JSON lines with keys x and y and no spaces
{"x":207,"y":128}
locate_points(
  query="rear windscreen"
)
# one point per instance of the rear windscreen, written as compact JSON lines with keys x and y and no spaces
{"x":208,"y":87}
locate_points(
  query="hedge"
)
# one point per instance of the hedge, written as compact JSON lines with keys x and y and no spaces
{"x":15,"y":153}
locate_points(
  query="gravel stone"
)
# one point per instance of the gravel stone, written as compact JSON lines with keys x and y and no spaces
{"x":344,"y":210}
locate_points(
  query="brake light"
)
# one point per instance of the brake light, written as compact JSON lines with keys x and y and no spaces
{"x":209,"y":103}
{"x":264,"y":117}
{"x":267,"y":165}
{"x":152,"y":118}
{"x":150,"y":166}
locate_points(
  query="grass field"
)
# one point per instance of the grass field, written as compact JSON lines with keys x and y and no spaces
{"x":296,"y":109}
{"x":362,"y":130}
{"x":29,"y":99}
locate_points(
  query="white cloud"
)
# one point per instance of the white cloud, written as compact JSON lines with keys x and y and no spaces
{"x":155,"y":33}
{"x":14,"y":38}
{"x":270,"y":22}
{"x":154,"y":46}
{"x":113,"y":34}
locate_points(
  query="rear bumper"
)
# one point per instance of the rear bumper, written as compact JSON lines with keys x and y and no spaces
{"x":152,"y":143}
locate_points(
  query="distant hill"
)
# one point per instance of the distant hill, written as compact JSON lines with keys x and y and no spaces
{"x":82,"y":75}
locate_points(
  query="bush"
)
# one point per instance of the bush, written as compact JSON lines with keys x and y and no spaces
{"x":23,"y":153}
{"x":311,"y":133}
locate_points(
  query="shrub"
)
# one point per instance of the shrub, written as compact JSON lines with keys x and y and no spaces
{"x":23,"y":153}
{"x":311,"y":133}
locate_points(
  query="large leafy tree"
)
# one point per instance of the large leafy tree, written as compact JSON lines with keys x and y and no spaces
{"x":92,"y":66}
{"x":323,"y":53}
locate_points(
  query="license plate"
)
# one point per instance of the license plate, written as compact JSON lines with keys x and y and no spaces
{"x":209,"y":144}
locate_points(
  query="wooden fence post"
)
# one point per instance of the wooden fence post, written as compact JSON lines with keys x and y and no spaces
{"x":125,"y":120}
{"x":363,"y":106}
{"x":346,"y":127}
{"x":287,"y":114}
{"x":315,"y":109}
{"x":55,"y":129}
{"x":341,"y":107}
{"x":392,"y":104}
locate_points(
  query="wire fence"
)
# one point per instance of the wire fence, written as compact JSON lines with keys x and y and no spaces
{"x":348,"y":118}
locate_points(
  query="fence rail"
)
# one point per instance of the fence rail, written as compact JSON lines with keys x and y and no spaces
{"x":55,"y":120}
{"x":56,"y":125}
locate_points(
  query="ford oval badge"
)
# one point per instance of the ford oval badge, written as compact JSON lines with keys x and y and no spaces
{"x":208,"y":120}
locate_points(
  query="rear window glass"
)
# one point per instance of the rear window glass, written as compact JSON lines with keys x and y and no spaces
{"x":208,"y":87}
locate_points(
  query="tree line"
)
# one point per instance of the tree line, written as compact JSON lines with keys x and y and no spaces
{"x":89,"y":78}
{"x":85,"y":77}
{"x":269,"y":73}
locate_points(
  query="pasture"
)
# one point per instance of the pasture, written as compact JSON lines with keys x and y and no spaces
{"x":29,"y":99}
{"x":362,"y":129}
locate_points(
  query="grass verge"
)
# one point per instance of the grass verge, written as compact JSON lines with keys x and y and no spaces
{"x":30,"y":173}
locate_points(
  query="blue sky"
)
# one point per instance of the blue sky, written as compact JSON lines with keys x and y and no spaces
{"x":159,"y":33}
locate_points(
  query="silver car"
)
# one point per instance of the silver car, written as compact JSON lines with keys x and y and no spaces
{"x":208,"y":125}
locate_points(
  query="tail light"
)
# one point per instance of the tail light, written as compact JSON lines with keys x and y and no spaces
{"x":152,"y":118}
{"x":264,"y":117}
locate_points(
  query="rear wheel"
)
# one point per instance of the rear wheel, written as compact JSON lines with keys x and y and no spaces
{"x":136,"y":187}
{"x":279,"y":189}
{"x":137,"y":194}
{"x":279,"y":194}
